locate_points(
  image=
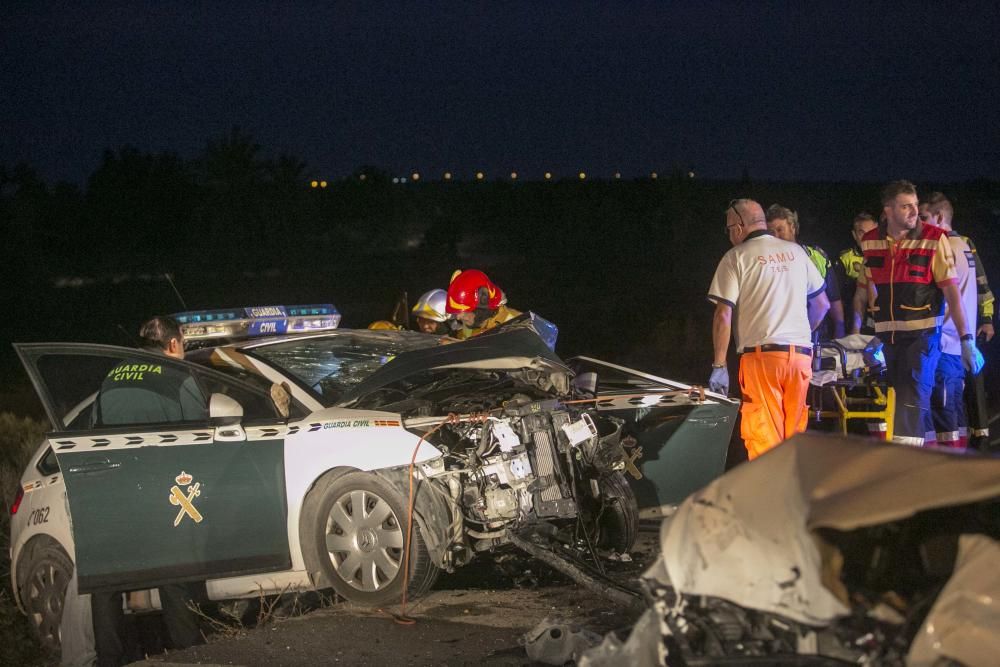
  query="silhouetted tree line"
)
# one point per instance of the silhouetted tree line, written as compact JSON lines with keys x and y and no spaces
{"x":603,"y":258}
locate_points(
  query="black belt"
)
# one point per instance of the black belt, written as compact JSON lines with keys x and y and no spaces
{"x":772,"y":347}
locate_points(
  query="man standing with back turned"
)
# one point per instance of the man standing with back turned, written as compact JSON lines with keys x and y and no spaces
{"x":780,"y":299}
{"x":909,"y":275}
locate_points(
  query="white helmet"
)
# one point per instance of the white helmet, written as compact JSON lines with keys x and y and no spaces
{"x":431,"y":306}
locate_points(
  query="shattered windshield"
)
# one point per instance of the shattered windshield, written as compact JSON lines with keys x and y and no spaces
{"x":330,"y":366}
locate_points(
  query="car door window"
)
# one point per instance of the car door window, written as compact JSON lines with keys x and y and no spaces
{"x":257,"y":406}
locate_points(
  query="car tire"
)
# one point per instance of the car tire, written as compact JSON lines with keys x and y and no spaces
{"x":360,"y":533}
{"x":43,"y":574}
{"x":618,"y":524}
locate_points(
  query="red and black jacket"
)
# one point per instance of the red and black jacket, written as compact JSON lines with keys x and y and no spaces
{"x":907,"y":298}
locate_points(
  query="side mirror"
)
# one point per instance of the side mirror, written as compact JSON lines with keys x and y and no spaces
{"x":224,"y":408}
{"x":586,"y":382}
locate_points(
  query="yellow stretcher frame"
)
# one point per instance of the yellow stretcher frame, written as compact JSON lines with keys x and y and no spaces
{"x":884,"y":399}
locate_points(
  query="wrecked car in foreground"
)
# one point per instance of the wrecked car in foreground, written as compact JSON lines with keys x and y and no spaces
{"x":828,"y":550}
{"x":476,"y":441}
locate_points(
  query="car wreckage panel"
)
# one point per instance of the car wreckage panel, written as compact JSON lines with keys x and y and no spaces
{"x":831,"y":548}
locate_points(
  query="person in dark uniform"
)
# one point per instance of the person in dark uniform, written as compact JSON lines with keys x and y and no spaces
{"x":148,"y":393}
{"x":850,"y":264}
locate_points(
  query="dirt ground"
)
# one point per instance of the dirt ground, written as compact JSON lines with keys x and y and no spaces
{"x":478,"y":615}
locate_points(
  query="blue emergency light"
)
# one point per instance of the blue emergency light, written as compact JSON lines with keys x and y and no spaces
{"x":255,"y":321}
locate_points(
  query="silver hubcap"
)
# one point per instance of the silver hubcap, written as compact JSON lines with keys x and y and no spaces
{"x":364,"y":540}
{"x":45,"y":593}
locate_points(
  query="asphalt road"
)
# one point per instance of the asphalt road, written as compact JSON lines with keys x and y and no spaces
{"x":478,"y":615}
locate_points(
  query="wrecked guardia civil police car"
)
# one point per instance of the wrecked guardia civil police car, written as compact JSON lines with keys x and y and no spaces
{"x":362,"y":461}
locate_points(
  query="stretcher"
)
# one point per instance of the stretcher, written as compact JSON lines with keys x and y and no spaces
{"x":855,"y":381}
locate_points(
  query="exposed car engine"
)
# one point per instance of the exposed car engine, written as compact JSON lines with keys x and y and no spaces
{"x":514,"y":456}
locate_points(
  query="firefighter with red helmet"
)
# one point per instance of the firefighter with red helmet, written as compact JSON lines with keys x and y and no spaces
{"x":477,"y":303}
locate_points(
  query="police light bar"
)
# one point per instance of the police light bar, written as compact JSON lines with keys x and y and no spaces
{"x":254,"y":321}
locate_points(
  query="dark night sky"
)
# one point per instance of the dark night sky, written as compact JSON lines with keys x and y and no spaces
{"x":798,"y":90}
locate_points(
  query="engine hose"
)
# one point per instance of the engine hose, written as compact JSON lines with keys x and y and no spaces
{"x":486,"y":536}
{"x":608,"y":589}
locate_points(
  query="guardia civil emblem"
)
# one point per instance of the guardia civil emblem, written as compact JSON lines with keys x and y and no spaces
{"x":185,"y":499}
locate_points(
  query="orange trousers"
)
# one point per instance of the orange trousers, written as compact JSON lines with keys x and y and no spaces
{"x":775,"y":386}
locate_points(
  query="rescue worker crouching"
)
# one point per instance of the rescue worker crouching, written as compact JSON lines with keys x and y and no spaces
{"x":477,"y":303}
{"x":431,"y":312}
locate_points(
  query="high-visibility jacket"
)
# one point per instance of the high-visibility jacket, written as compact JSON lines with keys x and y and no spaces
{"x":823,"y":264}
{"x":503,"y":314}
{"x":984,"y":296}
{"x":851,"y":260}
{"x":903,"y":277}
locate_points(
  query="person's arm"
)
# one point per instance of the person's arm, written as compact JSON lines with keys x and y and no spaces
{"x":859,"y":307}
{"x":955,"y":309}
{"x":818,"y":306}
{"x":837,"y":316}
{"x":984,"y":297}
{"x":722,"y":327}
{"x":972,"y":358}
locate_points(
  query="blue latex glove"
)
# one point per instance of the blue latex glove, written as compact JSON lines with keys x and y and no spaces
{"x":719,"y":381}
{"x":972,"y":358}
{"x":873,"y":354}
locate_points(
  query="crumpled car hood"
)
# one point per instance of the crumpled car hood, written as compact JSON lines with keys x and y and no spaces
{"x":746,"y":537}
{"x":512,"y":348}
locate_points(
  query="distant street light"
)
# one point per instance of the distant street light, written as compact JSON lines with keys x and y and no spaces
{"x":513,"y":175}
{"x":314,"y":184}
{"x":548,"y":176}
{"x":447,"y":175}
{"x":653,"y":176}
{"x":618,"y":175}
{"x":582,"y":176}
{"x":415,"y":176}
{"x":362,"y":177}
{"x":480,"y":176}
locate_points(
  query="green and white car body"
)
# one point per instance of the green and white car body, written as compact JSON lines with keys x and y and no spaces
{"x":253,"y":501}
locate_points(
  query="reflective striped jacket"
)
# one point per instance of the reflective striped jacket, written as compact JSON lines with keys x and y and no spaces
{"x":903,"y":289}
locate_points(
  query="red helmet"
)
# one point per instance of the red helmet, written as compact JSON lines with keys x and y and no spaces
{"x":472,"y":290}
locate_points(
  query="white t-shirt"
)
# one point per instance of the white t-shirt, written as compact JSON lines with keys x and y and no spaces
{"x":965,"y":270}
{"x":767,"y":281}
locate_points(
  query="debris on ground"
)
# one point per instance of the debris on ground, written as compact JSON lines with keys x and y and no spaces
{"x":556,"y":641}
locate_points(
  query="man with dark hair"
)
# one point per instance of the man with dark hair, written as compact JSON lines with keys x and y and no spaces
{"x":951,"y":423}
{"x":151,"y":393}
{"x":909,"y":276}
{"x":784,"y":224}
{"x":164,"y":334}
{"x":941,"y":213}
{"x":778,"y":297}
{"x":143,"y":391}
{"x":850,"y":263}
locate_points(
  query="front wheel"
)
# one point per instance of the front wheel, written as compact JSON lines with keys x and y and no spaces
{"x":618,"y":521}
{"x":361,"y":536}
{"x":42,"y":578}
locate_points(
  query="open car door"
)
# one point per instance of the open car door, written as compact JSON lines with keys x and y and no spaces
{"x":682,"y":437}
{"x":162,"y":496}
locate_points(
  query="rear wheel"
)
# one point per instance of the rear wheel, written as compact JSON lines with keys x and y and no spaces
{"x":361,"y":535}
{"x":42,"y":578}
{"x":618,"y":521}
